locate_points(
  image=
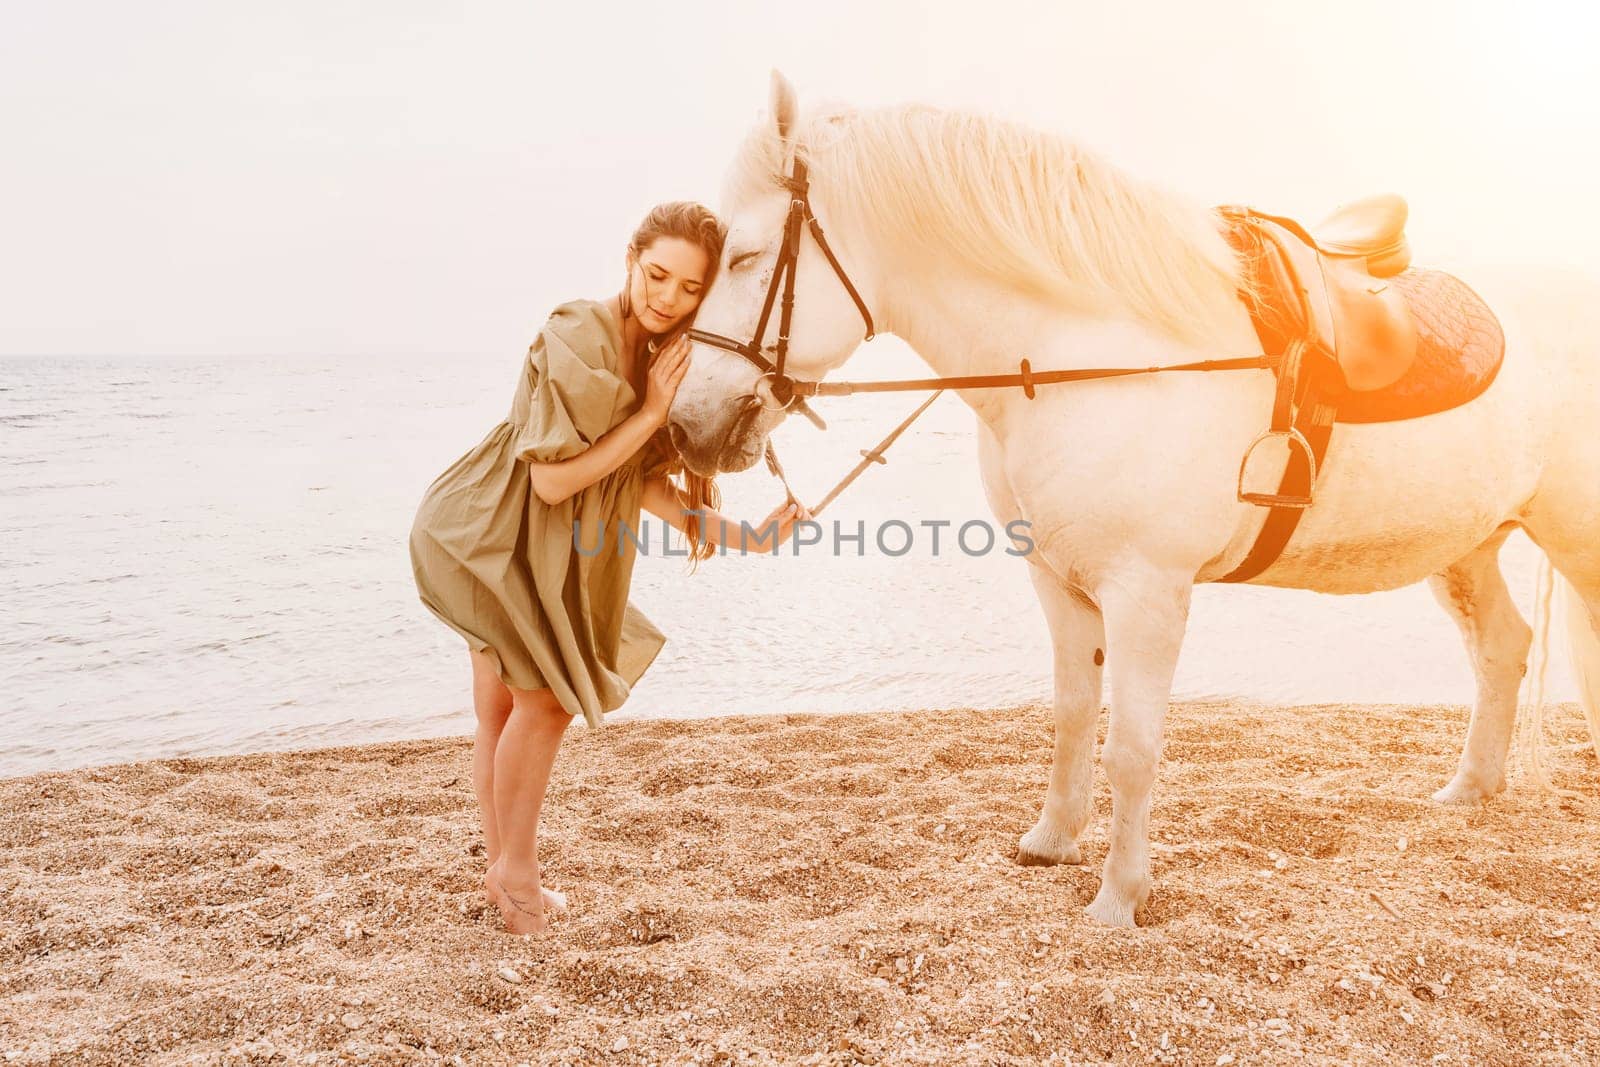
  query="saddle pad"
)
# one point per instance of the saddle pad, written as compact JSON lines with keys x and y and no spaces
{"x":1460,"y":347}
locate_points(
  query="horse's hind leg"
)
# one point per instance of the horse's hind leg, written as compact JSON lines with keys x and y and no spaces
{"x":1497,"y":637}
{"x":1077,"y":633}
{"x":1565,"y":523}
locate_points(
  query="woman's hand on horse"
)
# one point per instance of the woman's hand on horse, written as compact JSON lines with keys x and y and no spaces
{"x":666,"y":372}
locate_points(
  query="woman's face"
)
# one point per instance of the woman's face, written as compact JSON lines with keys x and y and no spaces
{"x":666,"y":284}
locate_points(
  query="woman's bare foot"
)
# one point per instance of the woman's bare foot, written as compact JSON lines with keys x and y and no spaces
{"x":525,"y":908}
{"x":554,"y":900}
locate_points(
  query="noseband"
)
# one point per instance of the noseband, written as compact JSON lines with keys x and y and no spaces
{"x":789,"y":392}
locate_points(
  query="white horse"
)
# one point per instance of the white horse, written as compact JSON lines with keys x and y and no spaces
{"x":978,"y":241}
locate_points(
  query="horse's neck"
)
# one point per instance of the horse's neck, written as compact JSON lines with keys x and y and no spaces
{"x":963,"y":325}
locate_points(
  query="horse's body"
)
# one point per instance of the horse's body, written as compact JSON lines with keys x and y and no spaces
{"x":1129,"y":483}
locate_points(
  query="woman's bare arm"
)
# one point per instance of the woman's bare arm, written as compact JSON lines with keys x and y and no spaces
{"x":663,"y":498}
{"x":555,"y":482}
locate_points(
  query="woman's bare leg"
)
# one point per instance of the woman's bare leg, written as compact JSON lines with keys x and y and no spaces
{"x":492,"y":702}
{"x":491,"y":699}
{"x":523,"y":759}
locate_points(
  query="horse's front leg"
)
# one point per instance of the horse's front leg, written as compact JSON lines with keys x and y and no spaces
{"x":1077,"y":633}
{"x":1145,"y":616}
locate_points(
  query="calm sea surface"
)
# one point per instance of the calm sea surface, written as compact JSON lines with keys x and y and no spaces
{"x":209,"y":556}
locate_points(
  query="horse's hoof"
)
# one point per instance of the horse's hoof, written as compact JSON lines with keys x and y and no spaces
{"x":1110,"y":910}
{"x":1041,"y":848}
{"x":1027,"y":858}
{"x":1465,"y":791}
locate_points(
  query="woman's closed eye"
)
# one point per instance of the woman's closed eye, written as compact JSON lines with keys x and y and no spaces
{"x":690,"y":290}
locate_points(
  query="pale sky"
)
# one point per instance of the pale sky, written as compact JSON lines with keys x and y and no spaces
{"x":392,"y":177}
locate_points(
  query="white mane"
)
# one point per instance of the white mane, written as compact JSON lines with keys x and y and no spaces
{"x":1030,"y":209}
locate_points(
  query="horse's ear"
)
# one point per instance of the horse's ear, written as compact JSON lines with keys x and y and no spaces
{"x":784,"y":105}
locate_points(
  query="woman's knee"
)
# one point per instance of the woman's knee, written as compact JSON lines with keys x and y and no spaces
{"x":491,"y":698}
{"x":540,"y":705}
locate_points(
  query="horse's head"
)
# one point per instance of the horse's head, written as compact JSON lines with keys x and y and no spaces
{"x":727,"y":404}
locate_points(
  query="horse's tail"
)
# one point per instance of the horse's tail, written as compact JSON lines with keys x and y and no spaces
{"x":1584,"y":645}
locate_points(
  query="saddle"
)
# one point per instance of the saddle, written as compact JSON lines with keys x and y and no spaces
{"x":1330,"y":287}
{"x":1371,"y":230}
{"x":1355,"y":335}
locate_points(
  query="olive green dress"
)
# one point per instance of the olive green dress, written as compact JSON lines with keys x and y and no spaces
{"x":499,"y":566}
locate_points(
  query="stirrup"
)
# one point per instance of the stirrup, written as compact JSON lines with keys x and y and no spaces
{"x":1296,"y":439}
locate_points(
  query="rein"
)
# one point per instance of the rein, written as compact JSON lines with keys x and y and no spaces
{"x":1026,"y":378}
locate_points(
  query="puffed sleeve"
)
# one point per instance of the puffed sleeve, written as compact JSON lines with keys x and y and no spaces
{"x":568,"y":396}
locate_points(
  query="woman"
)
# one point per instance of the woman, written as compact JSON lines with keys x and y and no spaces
{"x":495,"y":555}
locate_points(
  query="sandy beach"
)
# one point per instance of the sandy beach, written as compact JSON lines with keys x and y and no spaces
{"x":810,"y":889}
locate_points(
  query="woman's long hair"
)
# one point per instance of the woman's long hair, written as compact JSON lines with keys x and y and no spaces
{"x":698,"y":225}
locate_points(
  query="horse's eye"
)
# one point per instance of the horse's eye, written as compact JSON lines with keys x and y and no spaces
{"x":743,"y":258}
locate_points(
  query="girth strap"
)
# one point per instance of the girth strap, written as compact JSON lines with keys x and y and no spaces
{"x":1301,"y":408}
{"x":1314,"y":422}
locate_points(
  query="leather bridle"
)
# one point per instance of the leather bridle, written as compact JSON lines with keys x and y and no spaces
{"x":787,"y":391}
